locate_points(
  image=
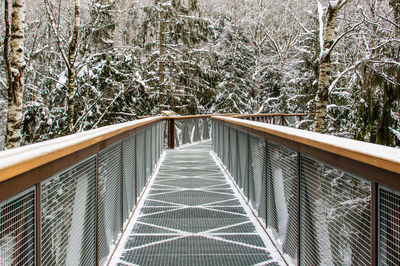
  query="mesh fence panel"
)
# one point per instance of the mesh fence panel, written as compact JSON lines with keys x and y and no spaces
{"x":148,"y":145}
{"x":243,"y":162}
{"x":282,"y":197}
{"x":110,"y":172}
{"x":129,"y":151}
{"x":140,"y":162}
{"x":226,"y":146}
{"x":17,"y":225}
{"x":154,"y":138}
{"x":389,"y":227}
{"x":335,"y":216}
{"x":220,"y":140}
{"x":68,"y":216}
{"x":257,"y":176}
{"x":233,"y":153}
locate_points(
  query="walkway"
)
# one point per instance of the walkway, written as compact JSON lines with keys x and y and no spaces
{"x":193,"y":215}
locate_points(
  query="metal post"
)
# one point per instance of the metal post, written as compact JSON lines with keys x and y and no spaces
{"x":122,"y":185}
{"x":38,"y":227}
{"x":266,"y":183}
{"x":97,"y":210}
{"x":282,"y":120}
{"x":298,"y":208}
{"x":248,"y":166}
{"x":136,"y":172}
{"x":374,"y":223}
{"x":171,"y":133}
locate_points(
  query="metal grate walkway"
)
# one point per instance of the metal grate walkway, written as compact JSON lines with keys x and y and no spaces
{"x":193,"y":215}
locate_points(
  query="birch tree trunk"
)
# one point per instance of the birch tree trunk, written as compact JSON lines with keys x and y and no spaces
{"x":15,"y":65}
{"x":325,"y":66}
{"x":71,"y":65}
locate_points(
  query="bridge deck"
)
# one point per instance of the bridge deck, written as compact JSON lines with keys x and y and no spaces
{"x":193,"y":215}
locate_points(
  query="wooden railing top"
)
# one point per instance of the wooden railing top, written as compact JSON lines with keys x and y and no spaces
{"x":372,"y":154}
{"x":20,"y":160}
{"x":266,"y":115}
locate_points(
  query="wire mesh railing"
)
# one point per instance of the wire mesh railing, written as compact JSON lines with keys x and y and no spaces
{"x":72,"y":209}
{"x":324,"y":203}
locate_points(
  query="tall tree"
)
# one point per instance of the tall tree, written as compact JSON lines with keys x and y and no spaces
{"x":15,"y":65}
{"x":327,"y":45}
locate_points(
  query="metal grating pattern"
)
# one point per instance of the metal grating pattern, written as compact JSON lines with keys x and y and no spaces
{"x":233,"y":153}
{"x":282,"y":197}
{"x":389,"y":227}
{"x":257,"y":166}
{"x":17,"y":225}
{"x":140,"y":162}
{"x":225,"y":154}
{"x":335,"y":216}
{"x":110,"y":173}
{"x":147,"y":147}
{"x":129,"y":152}
{"x":68,"y":216}
{"x":192,"y":217}
{"x":243,"y":163}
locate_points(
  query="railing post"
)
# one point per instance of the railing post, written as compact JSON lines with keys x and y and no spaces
{"x":136,"y":171}
{"x":266,"y":183}
{"x":282,"y":120}
{"x":298,"y":208}
{"x":171,"y":133}
{"x":38,"y":227}
{"x":122,"y":186}
{"x":374,"y":223}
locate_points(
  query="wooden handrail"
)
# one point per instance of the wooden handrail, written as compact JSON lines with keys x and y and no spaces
{"x":266,"y":115}
{"x":380,"y":156}
{"x":20,"y":160}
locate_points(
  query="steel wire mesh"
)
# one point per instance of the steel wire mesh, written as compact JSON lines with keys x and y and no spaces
{"x":335,"y":216}
{"x":282,"y":197}
{"x":17,"y":229}
{"x":109,"y":198}
{"x":243,"y":164}
{"x":389,"y":227}
{"x":140,"y":162}
{"x":226,"y":145}
{"x":68,"y":216}
{"x":233,"y":154}
{"x":257,"y":166}
{"x":129,"y":152}
{"x":148,"y":145}
{"x":154,"y":138}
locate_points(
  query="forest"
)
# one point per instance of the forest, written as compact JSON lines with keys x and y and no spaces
{"x":69,"y":65}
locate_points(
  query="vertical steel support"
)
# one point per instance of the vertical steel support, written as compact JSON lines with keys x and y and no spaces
{"x":171,"y":133}
{"x":248,"y":167}
{"x":298,"y":208}
{"x":97,"y":210}
{"x":229,"y":149}
{"x":144,"y":159}
{"x":136,"y":171}
{"x":282,"y":120}
{"x":374,"y":223}
{"x":122,"y":186}
{"x":266,"y":183}
{"x":37,"y":225}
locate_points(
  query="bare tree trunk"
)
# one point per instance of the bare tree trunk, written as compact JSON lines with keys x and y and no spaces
{"x":161,"y":67}
{"x":71,"y":65}
{"x":15,"y":65}
{"x":325,"y":66}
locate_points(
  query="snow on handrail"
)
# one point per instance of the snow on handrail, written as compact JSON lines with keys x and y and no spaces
{"x":19,"y":160}
{"x":380,"y":156}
